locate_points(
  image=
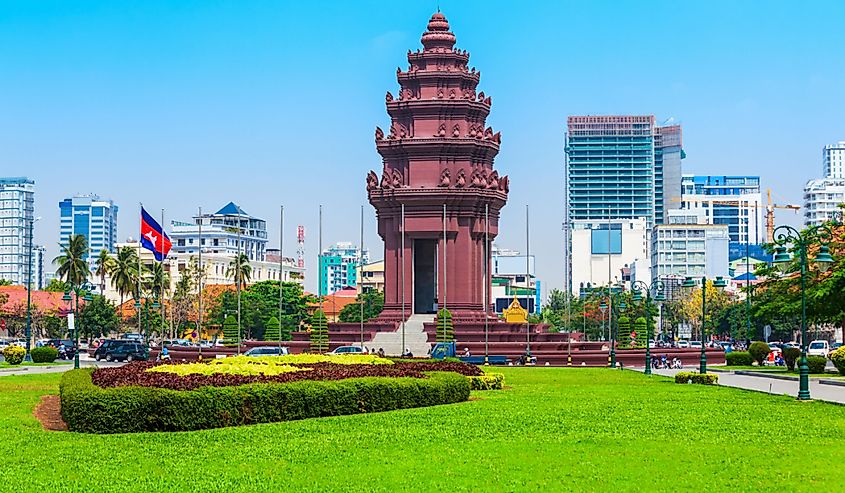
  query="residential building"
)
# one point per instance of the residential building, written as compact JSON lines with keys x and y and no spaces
{"x":833,"y":157}
{"x":622,"y":167}
{"x":372,"y":277}
{"x":821,"y":198}
{"x":731,"y":200}
{"x":339,"y":267}
{"x":681,"y":250}
{"x":512,"y":276}
{"x":92,"y":217}
{"x":17,"y":206}
{"x":222,"y":232}
{"x":602,"y":250}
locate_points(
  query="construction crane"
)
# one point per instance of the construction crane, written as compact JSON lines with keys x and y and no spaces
{"x":769,"y":207}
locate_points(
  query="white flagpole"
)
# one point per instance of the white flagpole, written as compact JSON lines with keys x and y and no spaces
{"x":199,"y":281}
{"x":161,"y":294}
{"x":238,"y":277}
{"x":281,"y":270}
{"x":486,"y":280}
{"x":445,"y":265}
{"x":140,"y":232}
{"x":361,"y":278}
{"x":527,"y":285}
{"x":402,"y":255}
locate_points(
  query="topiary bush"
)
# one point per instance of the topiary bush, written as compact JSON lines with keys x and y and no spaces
{"x":816,"y":363}
{"x":759,"y":350}
{"x":838,"y":358}
{"x":230,"y":331}
{"x":640,"y":330}
{"x":445,"y":329}
{"x":738,"y":358}
{"x":92,"y":409}
{"x":319,"y":333}
{"x":693,"y":377}
{"x":488,"y":381}
{"x":272,"y":329}
{"x":44,"y":354}
{"x":14,"y":355}
{"x":790,"y":356}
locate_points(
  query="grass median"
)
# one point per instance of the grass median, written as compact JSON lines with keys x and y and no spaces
{"x":552,"y":429}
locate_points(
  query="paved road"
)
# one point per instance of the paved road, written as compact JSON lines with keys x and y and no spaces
{"x":84,"y":362}
{"x":830,"y":393}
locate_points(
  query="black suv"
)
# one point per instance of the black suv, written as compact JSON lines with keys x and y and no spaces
{"x":100,"y":352}
{"x":127,"y":351}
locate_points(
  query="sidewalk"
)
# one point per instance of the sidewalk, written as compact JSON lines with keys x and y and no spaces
{"x":818,"y":391}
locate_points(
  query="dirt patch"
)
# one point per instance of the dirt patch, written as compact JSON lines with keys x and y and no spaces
{"x":49,"y":413}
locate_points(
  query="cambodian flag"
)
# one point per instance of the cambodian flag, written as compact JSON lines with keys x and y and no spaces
{"x":153,"y":237}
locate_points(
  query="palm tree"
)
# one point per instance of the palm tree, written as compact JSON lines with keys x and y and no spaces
{"x":240,"y":263}
{"x":124,"y":272}
{"x":104,"y":264}
{"x":157,"y":278}
{"x":73,"y":268}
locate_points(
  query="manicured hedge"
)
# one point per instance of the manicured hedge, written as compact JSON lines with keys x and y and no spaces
{"x":692,"y":377}
{"x":790,"y":356}
{"x":14,"y":354}
{"x":92,"y":409}
{"x":45,"y":354}
{"x":816,"y":363}
{"x":738,"y":358}
{"x":838,"y":358}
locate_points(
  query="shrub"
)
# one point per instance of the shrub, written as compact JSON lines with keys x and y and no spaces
{"x":445,"y":329}
{"x":816,"y":363}
{"x":44,"y":354}
{"x":319,"y":333}
{"x":693,"y":377}
{"x":91,"y":409}
{"x":790,"y":356}
{"x":488,"y":381}
{"x":272,"y":330}
{"x":641,"y":329}
{"x":759,"y":350}
{"x":230,"y":330}
{"x":14,"y":354}
{"x":838,"y":358}
{"x":738,"y":358}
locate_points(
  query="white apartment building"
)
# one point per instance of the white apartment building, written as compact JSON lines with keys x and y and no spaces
{"x":734,"y":201}
{"x":92,"y":217}
{"x":17,"y":206}
{"x":681,"y":250}
{"x":221,"y":232}
{"x":833,"y":156}
{"x":602,"y":249}
{"x":821,"y":198}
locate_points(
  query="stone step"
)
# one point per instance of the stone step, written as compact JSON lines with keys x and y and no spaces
{"x":415,"y":338}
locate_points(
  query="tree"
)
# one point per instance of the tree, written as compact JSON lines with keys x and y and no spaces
{"x":445,"y":329}
{"x":56,"y":286}
{"x":182,"y":301}
{"x":319,"y":333}
{"x":157,"y":280}
{"x":103,"y":267}
{"x":272,"y":329}
{"x":5,"y":282}
{"x":260,"y":300}
{"x":72,"y":266}
{"x":373,"y":302}
{"x":240,"y":264}
{"x":124,"y":273}
{"x":98,"y":318}
{"x":690,"y":305}
{"x":623,"y":328}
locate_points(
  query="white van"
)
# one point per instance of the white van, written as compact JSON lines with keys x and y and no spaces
{"x":818,"y":348}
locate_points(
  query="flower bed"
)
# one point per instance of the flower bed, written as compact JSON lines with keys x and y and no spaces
{"x":87,"y":407}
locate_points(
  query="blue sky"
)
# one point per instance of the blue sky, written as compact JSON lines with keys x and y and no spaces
{"x":184,"y":103}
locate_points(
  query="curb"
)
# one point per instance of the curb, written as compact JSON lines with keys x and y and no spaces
{"x":838,"y":383}
{"x":765,"y":375}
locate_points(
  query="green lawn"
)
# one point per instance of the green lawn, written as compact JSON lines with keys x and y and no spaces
{"x":4,"y":364}
{"x":554,"y":429}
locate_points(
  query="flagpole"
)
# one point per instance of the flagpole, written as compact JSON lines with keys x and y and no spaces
{"x":361,"y":278}
{"x":486,"y":280}
{"x":199,"y":281}
{"x":527,"y":286}
{"x":445,"y":265}
{"x":161,"y":264}
{"x":402,"y":254}
{"x":281,"y":270}
{"x":238,"y":278}
{"x":141,"y":205}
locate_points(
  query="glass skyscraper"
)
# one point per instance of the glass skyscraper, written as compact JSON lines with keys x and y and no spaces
{"x":91,"y":217}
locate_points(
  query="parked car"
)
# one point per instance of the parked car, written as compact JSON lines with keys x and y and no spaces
{"x":133,"y":337}
{"x":348,"y":350}
{"x":100,"y":352}
{"x":268,"y":351}
{"x":792,"y":345}
{"x":818,"y":348}
{"x":127,"y":351}
{"x":835,"y":346}
{"x":695,"y":344}
{"x":683,"y":344}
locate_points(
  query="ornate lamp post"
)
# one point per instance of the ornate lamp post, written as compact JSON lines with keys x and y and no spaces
{"x":659,"y":287}
{"x":73,"y":301}
{"x":690,"y":282}
{"x":28,"y":357}
{"x":821,"y":235}
{"x":614,"y":334}
{"x":603,"y":308}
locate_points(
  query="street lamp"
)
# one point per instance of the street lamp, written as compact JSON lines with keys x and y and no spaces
{"x":603,"y":308}
{"x":787,"y":235}
{"x":28,"y":357}
{"x":73,"y":301}
{"x":638,"y":286}
{"x":614,"y":334}
{"x":690,"y":282}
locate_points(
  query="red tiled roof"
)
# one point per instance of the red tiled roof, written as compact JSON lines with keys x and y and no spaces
{"x":41,"y":300}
